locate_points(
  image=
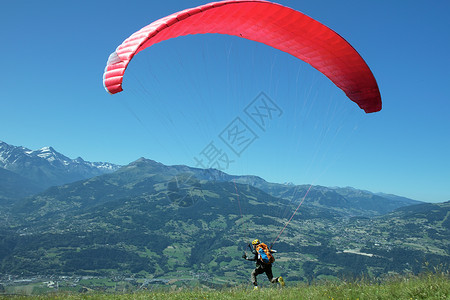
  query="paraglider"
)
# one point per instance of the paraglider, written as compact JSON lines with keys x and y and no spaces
{"x":269,"y":23}
{"x":263,"y":259}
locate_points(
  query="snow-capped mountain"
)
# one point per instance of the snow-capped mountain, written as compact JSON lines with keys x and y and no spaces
{"x":46,"y":167}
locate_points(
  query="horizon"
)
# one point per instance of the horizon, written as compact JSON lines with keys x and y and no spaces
{"x":282,"y":183}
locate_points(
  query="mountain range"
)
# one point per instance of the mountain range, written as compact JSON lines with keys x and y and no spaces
{"x":156,"y":221}
{"x":37,"y":170}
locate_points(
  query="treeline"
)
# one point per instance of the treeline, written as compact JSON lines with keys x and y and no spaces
{"x":74,"y":253}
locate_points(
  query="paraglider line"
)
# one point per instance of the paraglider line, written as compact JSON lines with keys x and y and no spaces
{"x":301,"y":202}
{"x":244,"y":228}
{"x":239,"y":202}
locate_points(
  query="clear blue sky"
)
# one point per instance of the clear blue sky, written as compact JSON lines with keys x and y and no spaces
{"x":180,"y":95}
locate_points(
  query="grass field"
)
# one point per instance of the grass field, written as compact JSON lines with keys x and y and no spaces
{"x":424,"y":286}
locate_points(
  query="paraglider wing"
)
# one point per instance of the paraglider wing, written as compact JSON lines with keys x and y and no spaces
{"x":272,"y":24}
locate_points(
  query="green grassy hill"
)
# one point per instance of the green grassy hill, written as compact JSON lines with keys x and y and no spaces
{"x":425,"y":286}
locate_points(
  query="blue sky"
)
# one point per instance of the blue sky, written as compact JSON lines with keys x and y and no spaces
{"x":182,"y":94}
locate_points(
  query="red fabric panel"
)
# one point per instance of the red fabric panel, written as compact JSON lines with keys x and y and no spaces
{"x":272,"y":24}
